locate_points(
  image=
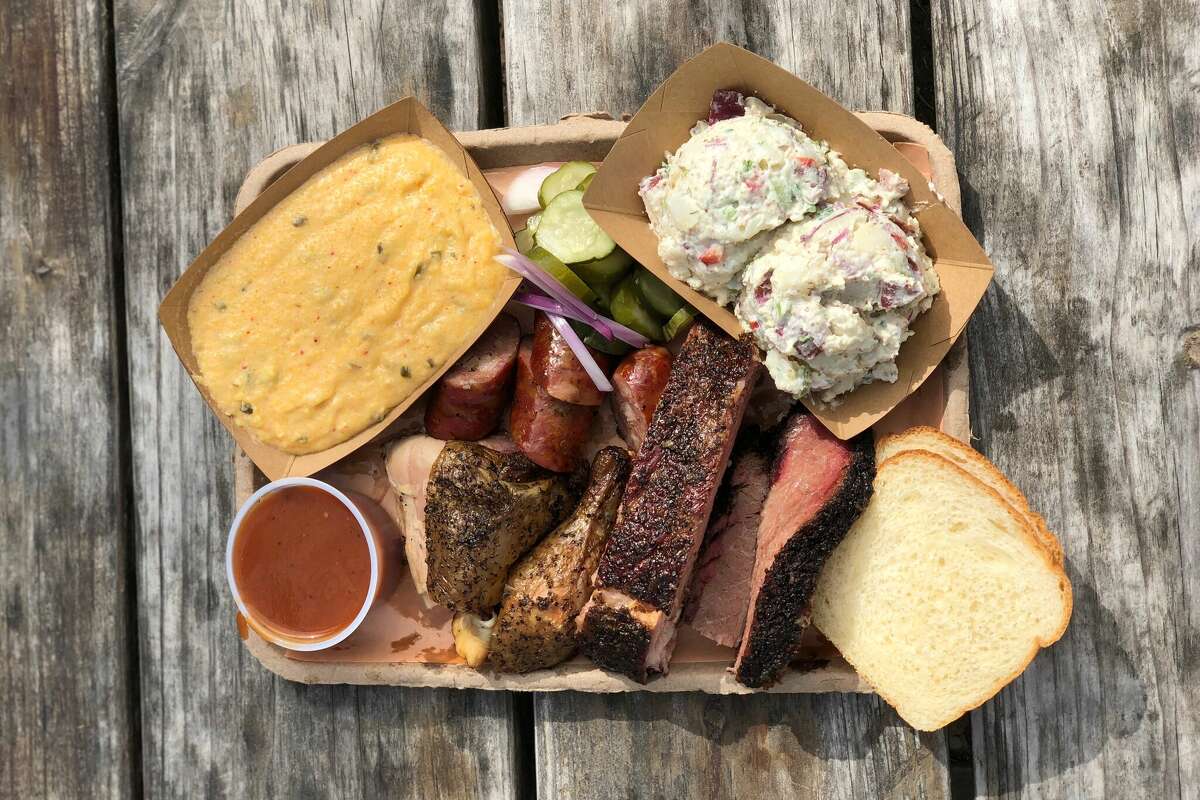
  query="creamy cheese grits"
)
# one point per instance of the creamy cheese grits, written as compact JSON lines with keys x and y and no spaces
{"x":344,"y":298}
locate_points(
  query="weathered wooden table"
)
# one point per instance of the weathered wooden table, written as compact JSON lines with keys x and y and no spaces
{"x":125,"y":128}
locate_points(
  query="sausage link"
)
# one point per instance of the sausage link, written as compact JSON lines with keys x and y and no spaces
{"x":467,"y":402}
{"x":638,"y":384}
{"x":558,"y":371}
{"x":548,"y":431}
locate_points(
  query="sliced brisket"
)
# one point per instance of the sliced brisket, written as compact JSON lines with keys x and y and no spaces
{"x":819,"y":486}
{"x":629,"y":622}
{"x":720,"y":589}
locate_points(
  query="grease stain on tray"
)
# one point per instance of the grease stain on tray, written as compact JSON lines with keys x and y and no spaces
{"x":440,"y":655}
{"x":405,"y":642}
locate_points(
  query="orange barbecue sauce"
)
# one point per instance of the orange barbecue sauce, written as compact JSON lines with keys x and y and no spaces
{"x":301,"y":563}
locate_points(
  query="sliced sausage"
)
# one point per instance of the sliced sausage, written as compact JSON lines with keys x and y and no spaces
{"x":549,"y":432}
{"x":558,"y":371}
{"x":638,"y":384}
{"x":468,"y":401}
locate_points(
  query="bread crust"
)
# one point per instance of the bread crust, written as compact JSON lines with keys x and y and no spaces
{"x":1032,"y":538}
{"x":909,"y":440}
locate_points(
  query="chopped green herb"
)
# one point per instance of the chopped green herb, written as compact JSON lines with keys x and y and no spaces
{"x":352,"y":365}
{"x":405,"y":372}
{"x":247,"y":408}
{"x":301,"y":439}
{"x":219,"y":306}
{"x":429,"y":361}
{"x":299,"y":220}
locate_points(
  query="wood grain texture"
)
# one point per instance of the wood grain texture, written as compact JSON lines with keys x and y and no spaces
{"x":692,"y":745}
{"x":563,"y":56}
{"x":206,"y":90}
{"x":65,"y":672}
{"x":1077,"y":130}
{"x":569,"y":56}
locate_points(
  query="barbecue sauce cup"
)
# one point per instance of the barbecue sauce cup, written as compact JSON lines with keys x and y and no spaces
{"x":307,"y":562}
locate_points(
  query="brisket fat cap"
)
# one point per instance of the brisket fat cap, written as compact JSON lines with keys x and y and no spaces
{"x":796,"y":536}
{"x":681,"y":463}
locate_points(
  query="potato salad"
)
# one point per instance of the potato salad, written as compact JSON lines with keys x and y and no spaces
{"x":823,"y":264}
{"x":726,"y":186}
{"x":831,"y":299}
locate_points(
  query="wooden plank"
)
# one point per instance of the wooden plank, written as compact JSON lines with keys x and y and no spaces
{"x":206,"y":90}
{"x":691,"y":745}
{"x":1077,"y":129}
{"x":65,"y":677}
{"x":563,"y":56}
{"x":569,"y":56}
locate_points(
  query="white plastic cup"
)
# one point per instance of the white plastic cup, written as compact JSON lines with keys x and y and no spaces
{"x":382,"y":538}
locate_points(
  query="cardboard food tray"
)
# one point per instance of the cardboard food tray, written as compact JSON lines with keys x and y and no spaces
{"x":664,"y":123}
{"x":941,"y":401}
{"x":406,"y":116}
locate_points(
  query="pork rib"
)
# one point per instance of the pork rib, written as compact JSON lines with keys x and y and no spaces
{"x":819,"y":487}
{"x":628,"y":624}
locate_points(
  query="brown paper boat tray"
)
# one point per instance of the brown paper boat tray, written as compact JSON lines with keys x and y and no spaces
{"x":941,"y":401}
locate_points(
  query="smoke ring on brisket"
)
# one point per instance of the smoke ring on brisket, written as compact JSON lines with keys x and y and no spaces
{"x":781,"y":609}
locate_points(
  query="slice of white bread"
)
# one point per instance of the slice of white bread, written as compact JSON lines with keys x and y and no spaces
{"x":940,"y":594}
{"x":934,"y":441}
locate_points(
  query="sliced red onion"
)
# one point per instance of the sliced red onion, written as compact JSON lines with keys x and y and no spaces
{"x":627,"y":335}
{"x":531,"y":272}
{"x":581,"y":352}
{"x":552,"y":306}
{"x":543,"y":303}
{"x":572,"y":306}
{"x":619,"y":331}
